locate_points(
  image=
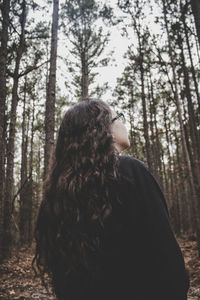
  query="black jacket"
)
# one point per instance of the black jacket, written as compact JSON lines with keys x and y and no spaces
{"x":140,"y":258}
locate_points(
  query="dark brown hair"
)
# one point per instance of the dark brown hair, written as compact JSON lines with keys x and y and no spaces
{"x":78,"y":193}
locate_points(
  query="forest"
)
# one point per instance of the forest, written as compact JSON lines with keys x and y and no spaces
{"x":55,"y":53}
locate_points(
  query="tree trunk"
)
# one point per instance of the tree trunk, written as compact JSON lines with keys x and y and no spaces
{"x":30,"y":198}
{"x":185,"y":204}
{"x":157,"y":146}
{"x":84,"y":76}
{"x":195,"y":158}
{"x":196,"y":12}
{"x":3,"y":92}
{"x":51,"y":90}
{"x":24,"y":153}
{"x":10,"y":149}
{"x":133,"y":142}
{"x":176,"y":202}
{"x":169,"y":169}
{"x":165,"y":180}
{"x":144,"y":110}
{"x":190,"y":56}
{"x":196,"y":203}
{"x":179,"y":184}
{"x":152,"y":135}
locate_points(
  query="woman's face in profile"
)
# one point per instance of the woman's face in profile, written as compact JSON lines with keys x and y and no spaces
{"x":120,"y":133}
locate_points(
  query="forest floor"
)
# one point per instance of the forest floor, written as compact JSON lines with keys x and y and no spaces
{"x":17,"y":280}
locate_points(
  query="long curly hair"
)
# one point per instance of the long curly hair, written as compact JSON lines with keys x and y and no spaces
{"x":78,"y":193}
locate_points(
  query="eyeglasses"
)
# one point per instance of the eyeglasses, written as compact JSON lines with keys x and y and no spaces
{"x":121,"y":117}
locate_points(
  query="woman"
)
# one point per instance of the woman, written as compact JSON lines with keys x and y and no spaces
{"x":103,"y":229}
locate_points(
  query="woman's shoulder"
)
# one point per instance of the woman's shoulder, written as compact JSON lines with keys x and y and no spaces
{"x":128,"y":159}
{"x":131,"y":166}
{"x":135,"y":170}
{"x":138,"y":173}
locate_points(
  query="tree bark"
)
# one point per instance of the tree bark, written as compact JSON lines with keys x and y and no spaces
{"x":51,"y":90}
{"x":178,"y":175}
{"x":3,"y":92}
{"x":185,"y":204}
{"x":196,"y":12}
{"x":152,"y":135}
{"x":84,"y":76}
{"x":23,"y":172}
{"x":145,"y":123}
{"x":157,"y":145}
{"x":190,"y":56}
{"x":30,"y":198}
{"x":195,"y":158}
{"x":169,"y":169}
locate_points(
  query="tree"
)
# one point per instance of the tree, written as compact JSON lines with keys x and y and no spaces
{"x":196,"y":12}
{"x":51,"y":90}
{"x":10,"y":147}
{"x":184,"y":11}
{"x":5,"y":8}
{"x":158,"y":77}
{"x":79,"y":22}
{"x":24,"y":159}
{"x":17,"y":67}
{"x":136,"y":14}
{"x":196,"y":204}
